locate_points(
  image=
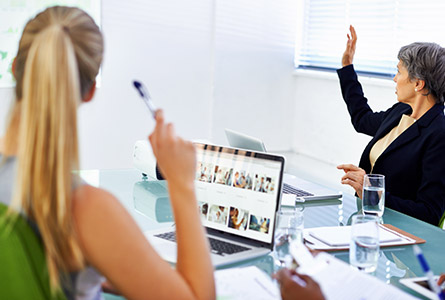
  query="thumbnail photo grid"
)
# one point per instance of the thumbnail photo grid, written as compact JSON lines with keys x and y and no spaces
{"x":233,"y":217}
{"x":242,"y":179}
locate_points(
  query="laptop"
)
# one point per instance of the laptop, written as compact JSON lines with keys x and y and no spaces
{"x":302,"y":189}
{"x":238,"y":193}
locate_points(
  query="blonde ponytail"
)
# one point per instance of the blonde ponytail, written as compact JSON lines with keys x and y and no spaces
{"x":59,"y":66}
{"x":48,"y":144}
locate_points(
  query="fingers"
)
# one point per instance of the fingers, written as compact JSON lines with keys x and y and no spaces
{"x":353,"y":33}
{"x":354,"y":176}
{"x":159,"y":116}
{"x":354,"y":184}
{"x":296,"y":286}
{"x":353,"y":38}
{"x":309,"y":281}
{"x":162,"y":132}
{"x":170,"y":131}
{"x":441,"y":279}
{"x":348,"y":167}
{"x":153,"y":138}
{"x":280,"y":274}
{"x":284,"y":277}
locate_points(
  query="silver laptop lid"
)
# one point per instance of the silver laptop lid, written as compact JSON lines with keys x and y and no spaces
{"x":239,"y":191}
{"x":243,"y":141}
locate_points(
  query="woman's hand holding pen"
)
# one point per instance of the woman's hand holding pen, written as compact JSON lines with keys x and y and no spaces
{"x":353,"y":177}
{"x":348,"y":55}
{"x":175,"y":156}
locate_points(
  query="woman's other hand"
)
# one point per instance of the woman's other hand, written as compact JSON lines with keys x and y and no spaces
{"x":441,"y":281}
{"x":348,"y":55}
{"x":175,"y":156}
{"x":292,"y":290}
{"x":353,"y":177}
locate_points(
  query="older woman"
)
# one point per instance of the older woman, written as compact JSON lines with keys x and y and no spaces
{"x":408,"y":140}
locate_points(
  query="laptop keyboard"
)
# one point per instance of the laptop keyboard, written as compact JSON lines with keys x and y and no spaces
{"x":217,"y":246}
{"x":288,"y":189}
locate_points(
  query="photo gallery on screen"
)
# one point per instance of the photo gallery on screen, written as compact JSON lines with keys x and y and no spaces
{"x":234,"y":217}
{"x":207,"y":172}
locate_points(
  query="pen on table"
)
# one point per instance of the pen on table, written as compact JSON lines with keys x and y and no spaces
{"x":428,"y":273}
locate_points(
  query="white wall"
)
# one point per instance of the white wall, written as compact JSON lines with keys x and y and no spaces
{"x":323,"y":128}
{"x":254,"y":86}
{"x":167,"y":45}
{"x":209,"y":64}
{"x":213,"y":64}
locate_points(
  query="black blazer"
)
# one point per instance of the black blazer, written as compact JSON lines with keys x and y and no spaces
{"x":414,"y":163}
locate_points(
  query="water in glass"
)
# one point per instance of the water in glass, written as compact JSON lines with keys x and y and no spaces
{"x":364,"y":245}
{"x":374,"y":200}
{"x":289,"y":228}
{"x":364,"y":253}
{"x":373,"y":196}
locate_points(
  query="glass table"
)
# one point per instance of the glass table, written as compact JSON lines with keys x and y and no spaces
{"x":147,"y":201}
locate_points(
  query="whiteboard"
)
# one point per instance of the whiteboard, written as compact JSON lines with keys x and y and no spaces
{"x":14,"y":14}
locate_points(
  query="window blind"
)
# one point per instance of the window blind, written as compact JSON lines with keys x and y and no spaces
{"x":383,"y":26}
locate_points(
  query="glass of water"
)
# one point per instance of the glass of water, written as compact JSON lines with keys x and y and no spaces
{"x":373,"y":194}
{"x":364,"y":246}
{"x":289,"y":228}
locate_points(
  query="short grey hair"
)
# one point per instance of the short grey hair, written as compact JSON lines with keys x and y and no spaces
{"x":426,"y":61}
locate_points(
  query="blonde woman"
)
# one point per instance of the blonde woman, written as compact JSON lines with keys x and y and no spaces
{"x":84,"y":230}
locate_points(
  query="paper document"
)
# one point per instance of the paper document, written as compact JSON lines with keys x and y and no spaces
{"x":336,"y":278}
{"x":339,"y":281}
{"x":245,"y":283}
{"x":338,"y":237}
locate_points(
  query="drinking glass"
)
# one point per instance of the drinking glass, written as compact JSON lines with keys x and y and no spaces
{"x":289,"y":228}
{"x":364,"y":246}
{"x":373,"y":194}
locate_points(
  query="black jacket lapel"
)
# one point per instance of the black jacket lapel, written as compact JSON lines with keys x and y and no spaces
{"x":414,"y":130}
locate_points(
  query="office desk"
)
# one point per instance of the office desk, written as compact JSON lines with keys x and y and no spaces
{"x":152,"y":210}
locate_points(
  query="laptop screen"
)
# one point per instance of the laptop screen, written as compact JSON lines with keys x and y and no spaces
{"x":238,"y":191}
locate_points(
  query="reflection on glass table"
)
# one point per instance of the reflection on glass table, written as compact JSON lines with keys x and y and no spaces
{"x":151,"y":210}
{"x":151,"y":200}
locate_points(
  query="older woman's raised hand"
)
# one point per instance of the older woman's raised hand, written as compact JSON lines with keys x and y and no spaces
{"x":348,"y":55}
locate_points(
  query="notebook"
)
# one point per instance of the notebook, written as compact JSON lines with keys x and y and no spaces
{"x":238,"y":194}
{"x":338,"y":237}
{"x":302,"y":189}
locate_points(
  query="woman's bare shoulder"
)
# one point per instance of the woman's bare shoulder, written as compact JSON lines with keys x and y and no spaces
{"x":92,"y":205}
{"x":87,"y":197}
